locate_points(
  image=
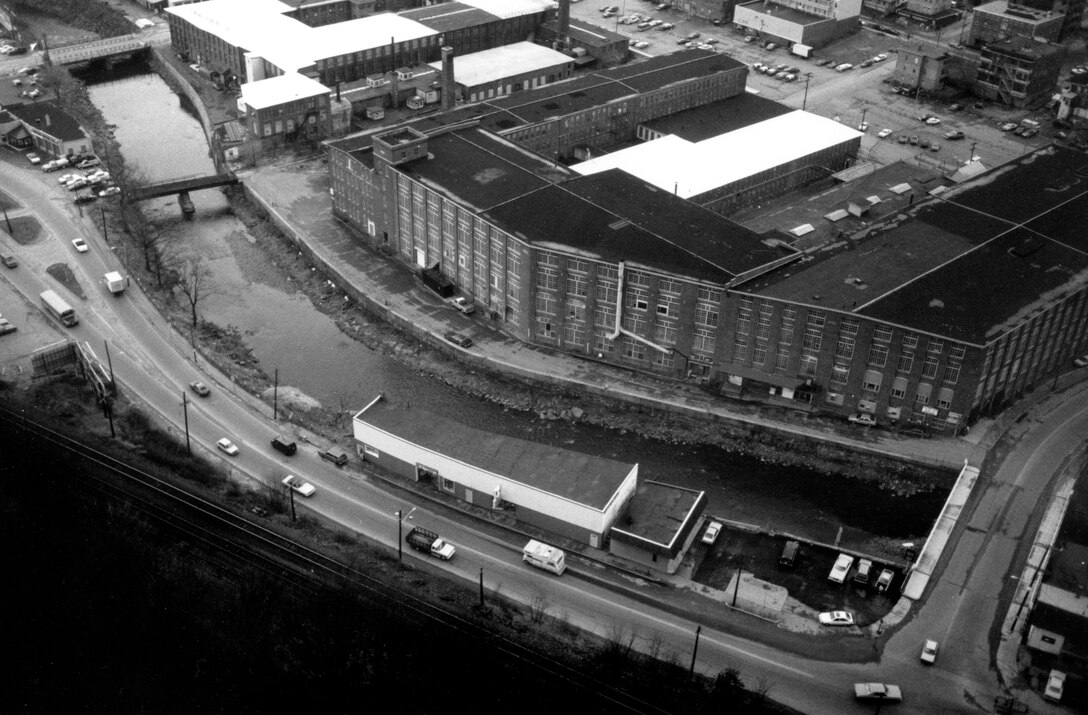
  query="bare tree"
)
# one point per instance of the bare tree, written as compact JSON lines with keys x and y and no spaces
{"x":194,"y":282}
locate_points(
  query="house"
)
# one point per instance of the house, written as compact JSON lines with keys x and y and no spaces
{"x":52,"y":130}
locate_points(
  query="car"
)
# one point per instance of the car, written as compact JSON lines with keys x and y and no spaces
{"x":953,"y":135}
{"x":929,"y":652}
{"x":458,"y":339}
{"x":837,"y":618}
{"x":770,"y":46}
{"x":85,"y":198}
{"x":711,"y":41}
{"x":924,"y":142}
{"x":88,"y":163}
{"x":955,"y":107}
{"x":1055,"y":685}
{"x":109,"y":191}
{"x":199,"y":388}
{"x":884,"y":133}
{"x":716,"y":21}
{"x":641,"y":45}
{"x":902,"y":138}
{"x":844,"y":66}
{"x":33,"y":158}
{"x":225,"y":445}
{"x":713,"y":529}
{"x":861,"y":418}
{"x":464,"y":305}
{"x":1009,"y":126}
{"x":77,"y":183}
{"x":881,"y":57}
{"x":935,"y":146}
{"x":1082,"y":361}
{"x":866,"y":63}
{"x":335,"y":455}
{"x":6,"y":327}
{"x":298,"y":485}
{"x":1029,"y":132}
{"x":9,"y":260}
{"x":933,"y":120}
{"x":841,"y":568}
{"x":692,"y":36}
{"x":863,"y":127}
{"x":80,"y":245}
{"x":914,"y":139}
{"x":878,"y":692}
{"x":824,"y":61}
{"x":284,"y":444}
{"x":65,"y":178}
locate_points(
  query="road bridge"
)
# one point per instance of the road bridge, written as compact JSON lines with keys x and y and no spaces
{"x":184,"y":185}
{"x":98,"y":49}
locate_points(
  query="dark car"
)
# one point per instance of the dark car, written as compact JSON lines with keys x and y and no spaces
{"x":85,"y":198}
{"x":284,"y":444}
{"x":458,"y":339}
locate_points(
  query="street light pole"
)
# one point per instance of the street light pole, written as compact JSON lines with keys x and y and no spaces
{"x":804,"y":102}
{"x":400,"y":520}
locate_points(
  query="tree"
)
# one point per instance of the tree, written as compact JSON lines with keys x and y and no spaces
{"x":194,"y":282}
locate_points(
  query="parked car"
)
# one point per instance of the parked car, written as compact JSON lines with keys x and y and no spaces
{"x":955,"y":107}
{"x":953,"y":135}
{"x":463,"y":304}
{"x":458,"y":339}
{"x":929,"y":652}
{"x":225,"y":445}
{"x":837,"y":618}
{"x":841,"y":568}
{"x":861,"y":418}
{"x":914,"y":139}
{"x":88,"y":163}
{"x":80,"y":245}
{"x":109,"y":191}
{"x":934,"y":147}
{"x":881,"y":57}
{"x":9,"y":260}
{"x":85,"y":198}
{"x":284,"y":444}
{"x":641,"y":45}
{"x":924,"y":142}
{"x":878,"y":692}
{"x":1055,"y":685}
{"x":902,"y":138}
{"x":866,"y":63}
{"x":199,"y":388}
{"x":1008,"y":126}
{"x":933,"y":120}
{"x":712,"y":531}
{"x":33,"y":157}
{"x":1082,"y":361}
{"x":884,"y":133}
{"x":298,"y":485}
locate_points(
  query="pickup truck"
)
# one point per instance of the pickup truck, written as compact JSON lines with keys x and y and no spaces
{"x":464,"y":305}
{"x":422,"y":539}
{"x":878,"y":692}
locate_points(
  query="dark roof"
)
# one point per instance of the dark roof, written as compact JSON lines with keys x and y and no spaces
{"x":782,"y":12}
{"x":588,"y":34}
{"x":1023,"y":48}
{"x":481,"y":170}
{"x":450,"y":16}
{"x":49,"y":118}
{"x":968,"y":265}
{"x":719,"y":117}
{"x":660,"y":517}
{"x":581,"y":478}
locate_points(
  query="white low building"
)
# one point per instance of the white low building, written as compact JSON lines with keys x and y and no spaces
{"x":575,"y":495}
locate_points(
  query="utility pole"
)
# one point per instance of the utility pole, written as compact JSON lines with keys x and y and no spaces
{"x":694,"y":651}
{"x":275,"y":394}
{"x":11,"y":231}
{"x":804,"y":102}
{"x":105,"y":232}
{"x":291,"y":496}
{"x":481,"y":587}
{"x":185,"y":409}
{"x":736,"y":587}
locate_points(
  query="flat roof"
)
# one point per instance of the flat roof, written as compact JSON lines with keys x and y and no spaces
{"x":501,"y":62}
{"x":512,"y":8}
{"x":691,"y":169}
{"x":616,"y":217}
{"x":481,"y":170}
{"x":364,"y":33}
{"x":725,"y":115}
{"x":660,"y":516}
{"x":449,"y":16}
{"x":789,"y":14}
{"x":968,"y":264}
{"x":280,"y":90}
{"x":581,"y":478}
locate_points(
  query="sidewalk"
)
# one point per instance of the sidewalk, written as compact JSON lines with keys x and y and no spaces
{"x":297,"y":199}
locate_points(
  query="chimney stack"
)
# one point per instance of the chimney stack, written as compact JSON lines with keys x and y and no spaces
{"x":563,"y":21}
{"x":448,"y":86}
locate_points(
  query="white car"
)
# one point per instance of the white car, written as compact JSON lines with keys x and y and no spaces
{"x":883,"y":133}
{"x":463,"y":304}
{"x":837,"y":618}
{"x":80,"y":245}
{"x":860,"y":418}
{"x":1055,"y":685}
{"x":295,"y":484}
{"x":712,"y":532}
{"x":841,"y":568}
{"x":227,"y":446}
{"x":109,"y":191}
{"x":881,"y":57}
{"x":933,"y":120}
{"x":929,"y":651}
{"x":33,"y":158}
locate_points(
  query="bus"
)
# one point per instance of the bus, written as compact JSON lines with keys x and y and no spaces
{"x":60,"y":310}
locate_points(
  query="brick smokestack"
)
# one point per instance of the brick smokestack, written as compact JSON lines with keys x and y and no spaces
{"x":448,"y":86}
{"x":563,"y":20}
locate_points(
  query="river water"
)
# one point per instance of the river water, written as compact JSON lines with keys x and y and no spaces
{"x":310,"y":352}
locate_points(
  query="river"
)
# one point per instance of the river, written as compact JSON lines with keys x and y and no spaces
{"x":287,"y":334}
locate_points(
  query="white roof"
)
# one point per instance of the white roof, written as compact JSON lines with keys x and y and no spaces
{"x":280,"y":90}
{"x":511,"y":8}
{"x":364,"y":33}
{"x":691,"y":169}
{"x":502,"y":62}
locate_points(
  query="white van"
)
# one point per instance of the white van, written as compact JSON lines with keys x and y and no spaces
{"x":544,"y":557}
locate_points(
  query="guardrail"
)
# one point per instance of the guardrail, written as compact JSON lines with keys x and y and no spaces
{"x":97,"y":48}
